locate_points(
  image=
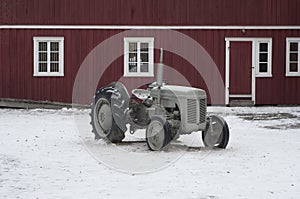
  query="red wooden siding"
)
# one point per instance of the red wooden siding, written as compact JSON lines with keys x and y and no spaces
{"x":154,"y":12}
{"x":16,"y":63}
{"x":16,"y":50}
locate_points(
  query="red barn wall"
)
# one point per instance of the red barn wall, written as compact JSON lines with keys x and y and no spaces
{"x":16,"y":51}
{"x":16,"y":63}
{"x":154,"y":12}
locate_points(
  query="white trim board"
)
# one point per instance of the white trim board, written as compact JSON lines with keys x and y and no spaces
{"x":288,"y":73}
{"x":121,"y":27}
{"x":138,"y":41}
{"x":227,"y":65}
{"x":254,"y":41}
{"x":60,"y":51}
{"x":241,"y":96}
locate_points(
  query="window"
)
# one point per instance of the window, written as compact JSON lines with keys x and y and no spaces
{"x":292,"y":57}
{"x":48,"y":56}
{"x":138,"y":57}
{"x":264,"y":58}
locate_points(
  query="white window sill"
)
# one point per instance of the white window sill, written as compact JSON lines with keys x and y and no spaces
{"x":138,"y":75}
{"x":292,"y":75}
{"x":263,"y":75}
{"x":48,"y":75}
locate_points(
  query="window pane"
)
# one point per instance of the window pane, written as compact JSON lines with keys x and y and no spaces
{"x":54,"y":46}
{"x":293,"y":67}
{"x":54,"y":57}
{"x":144,"y":47}
{"x":294,"y":57}
{"x":132,"y":67}
{"x":144,"y":57}
{"x":293,"y":46}
{"x":42,"y":56}
{"x":132,"y":57}
{"x":54,"y":67}
{"x":42,"y":67}
{"x":263,"y":47}
{"x":42,"y":46}
{"x":132,"y":47}
{"x":144,"y":68}
{"x":263,"y":67}
{"x":263,"y":57}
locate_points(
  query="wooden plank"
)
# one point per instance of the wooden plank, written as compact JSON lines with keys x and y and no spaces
{"x":154,"y":12}
{"x":21,"y":84}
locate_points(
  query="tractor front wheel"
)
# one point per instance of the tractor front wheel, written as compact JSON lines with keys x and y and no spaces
{"x":158,"y":134}
{"x":216,"y":133}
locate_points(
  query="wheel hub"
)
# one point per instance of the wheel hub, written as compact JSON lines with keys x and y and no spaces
{"x":156,"y":135}
{"x":213,"y":134}
{"x":104,"y":116}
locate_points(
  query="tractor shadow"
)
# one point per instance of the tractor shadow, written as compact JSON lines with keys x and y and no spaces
{"x":174,"y":146}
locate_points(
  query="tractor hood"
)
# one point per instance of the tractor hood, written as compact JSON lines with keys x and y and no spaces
{"x":182,"y":92}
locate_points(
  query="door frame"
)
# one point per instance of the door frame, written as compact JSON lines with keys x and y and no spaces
{"x":227,"y":67}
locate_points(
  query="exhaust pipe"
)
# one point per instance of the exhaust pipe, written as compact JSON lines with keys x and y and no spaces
{"x":160,"y":75}
{"x":160,"y":70}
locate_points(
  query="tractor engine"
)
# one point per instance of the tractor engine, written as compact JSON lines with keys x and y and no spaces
{"x":190,"y":102}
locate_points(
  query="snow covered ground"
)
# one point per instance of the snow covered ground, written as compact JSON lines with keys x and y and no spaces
{"x":52,"y":154}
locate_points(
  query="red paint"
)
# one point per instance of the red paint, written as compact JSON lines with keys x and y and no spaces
{"x":16,"y":62}
{"x":154,"y":12}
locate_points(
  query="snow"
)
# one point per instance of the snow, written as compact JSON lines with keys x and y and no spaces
{"x":52,"y":154}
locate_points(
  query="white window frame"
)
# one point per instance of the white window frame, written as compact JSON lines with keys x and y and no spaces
{"x":139,"y":40}
{"x":36,"y":41}
{"x":269,"y":62}
{"x":288,"y":41}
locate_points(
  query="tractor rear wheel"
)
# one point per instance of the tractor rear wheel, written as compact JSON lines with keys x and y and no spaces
{"x":107,"y":116}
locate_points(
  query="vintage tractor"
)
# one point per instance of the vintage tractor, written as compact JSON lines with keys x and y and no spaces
{"x":165,"y":111}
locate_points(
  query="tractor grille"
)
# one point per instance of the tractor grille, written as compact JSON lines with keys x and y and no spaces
{"x":202,"y":109}
{"x":191,"y":111}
